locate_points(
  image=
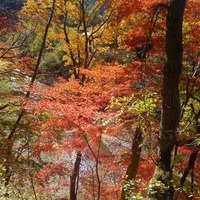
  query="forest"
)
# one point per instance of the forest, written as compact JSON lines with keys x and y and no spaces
{"x":99,"y":99}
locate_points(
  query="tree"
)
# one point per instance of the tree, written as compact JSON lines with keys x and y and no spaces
{"x":135,"y":158}
{"x":127,"y":11}
{"x":80,"y":113}
{"x":160,"y":186}
{"x":12,"y":133}
{"x":85,"y":130}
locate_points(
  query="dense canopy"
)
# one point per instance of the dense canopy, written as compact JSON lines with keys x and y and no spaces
{"x":99,"y":99}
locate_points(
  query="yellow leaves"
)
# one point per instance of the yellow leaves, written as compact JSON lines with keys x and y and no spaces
{"x":101,"y":35}
{"x":72,"y":6}
{"x":35,"y":14}
{"x":76,"y":45}
{"x":120,"y":30}
{"x":67,"y":60}
{"x":72,"y":10}
{"x":50,"y":46}
{"x":55,"y":146}
{"x":109,"y":35}
{"x":53,"y":35}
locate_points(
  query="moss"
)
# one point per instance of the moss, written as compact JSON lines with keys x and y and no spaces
{"x":160,"y":186}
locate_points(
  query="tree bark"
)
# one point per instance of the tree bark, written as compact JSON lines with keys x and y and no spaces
{"x":160,"y":185}
{"x":135,"y":158}
{"x":74,"y":177}
{"x":190,"y":166}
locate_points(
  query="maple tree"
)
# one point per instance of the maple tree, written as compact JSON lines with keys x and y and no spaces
{"x":195,"y":54}
{"x":102,"y":120}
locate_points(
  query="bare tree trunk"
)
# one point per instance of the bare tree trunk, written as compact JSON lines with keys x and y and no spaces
{"x":189,"y":167}
{"x":160,"y":185}
{"x":74,"y":177}
{"x":194,"y":154}
{"x":16,"y":125}
{"x":135,"y":158}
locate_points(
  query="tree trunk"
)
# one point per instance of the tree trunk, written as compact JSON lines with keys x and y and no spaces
{"x":190,"y":166}
{"x":74,"y":178}
{"x":11,"y":135}
{"x":135,"y":158}
{"x":160,"y":185}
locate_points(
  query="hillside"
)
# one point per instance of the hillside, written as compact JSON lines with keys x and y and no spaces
{"x":12,"y":4}
{"x":9,"y":8}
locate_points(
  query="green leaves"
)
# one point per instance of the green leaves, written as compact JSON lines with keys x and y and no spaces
{"x":128,"y":186}
{"x":146,"y":104}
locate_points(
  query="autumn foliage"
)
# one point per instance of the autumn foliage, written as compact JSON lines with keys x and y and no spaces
{"x":112,"y":84}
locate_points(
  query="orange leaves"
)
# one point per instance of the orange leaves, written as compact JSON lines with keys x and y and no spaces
{"x":73,"y":108}
{"x":135,"y":65}
{"x":106,"y":72}
{"x":110,"y":192}
{"x":125,"y":10}
{"x":74,"y":144}
{"x":192,"y":9}
{"x":42,"y":148}
{"x":97,"y":116}
{"x":191,"y":27}
{"x":136,"y":37}
{"x":146,"y":19}
{"x":48,"y":171}
{"x":137,"y":6}
{"x":26,"y":64}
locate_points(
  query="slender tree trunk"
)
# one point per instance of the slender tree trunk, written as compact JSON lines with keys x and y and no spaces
{"x":16,"y":125}
{"x":74,"y":177}
{"x":193,"y":156}
{"x":160,"y":185}
{"x":135,"y":158}
{"x":190,"y":166}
